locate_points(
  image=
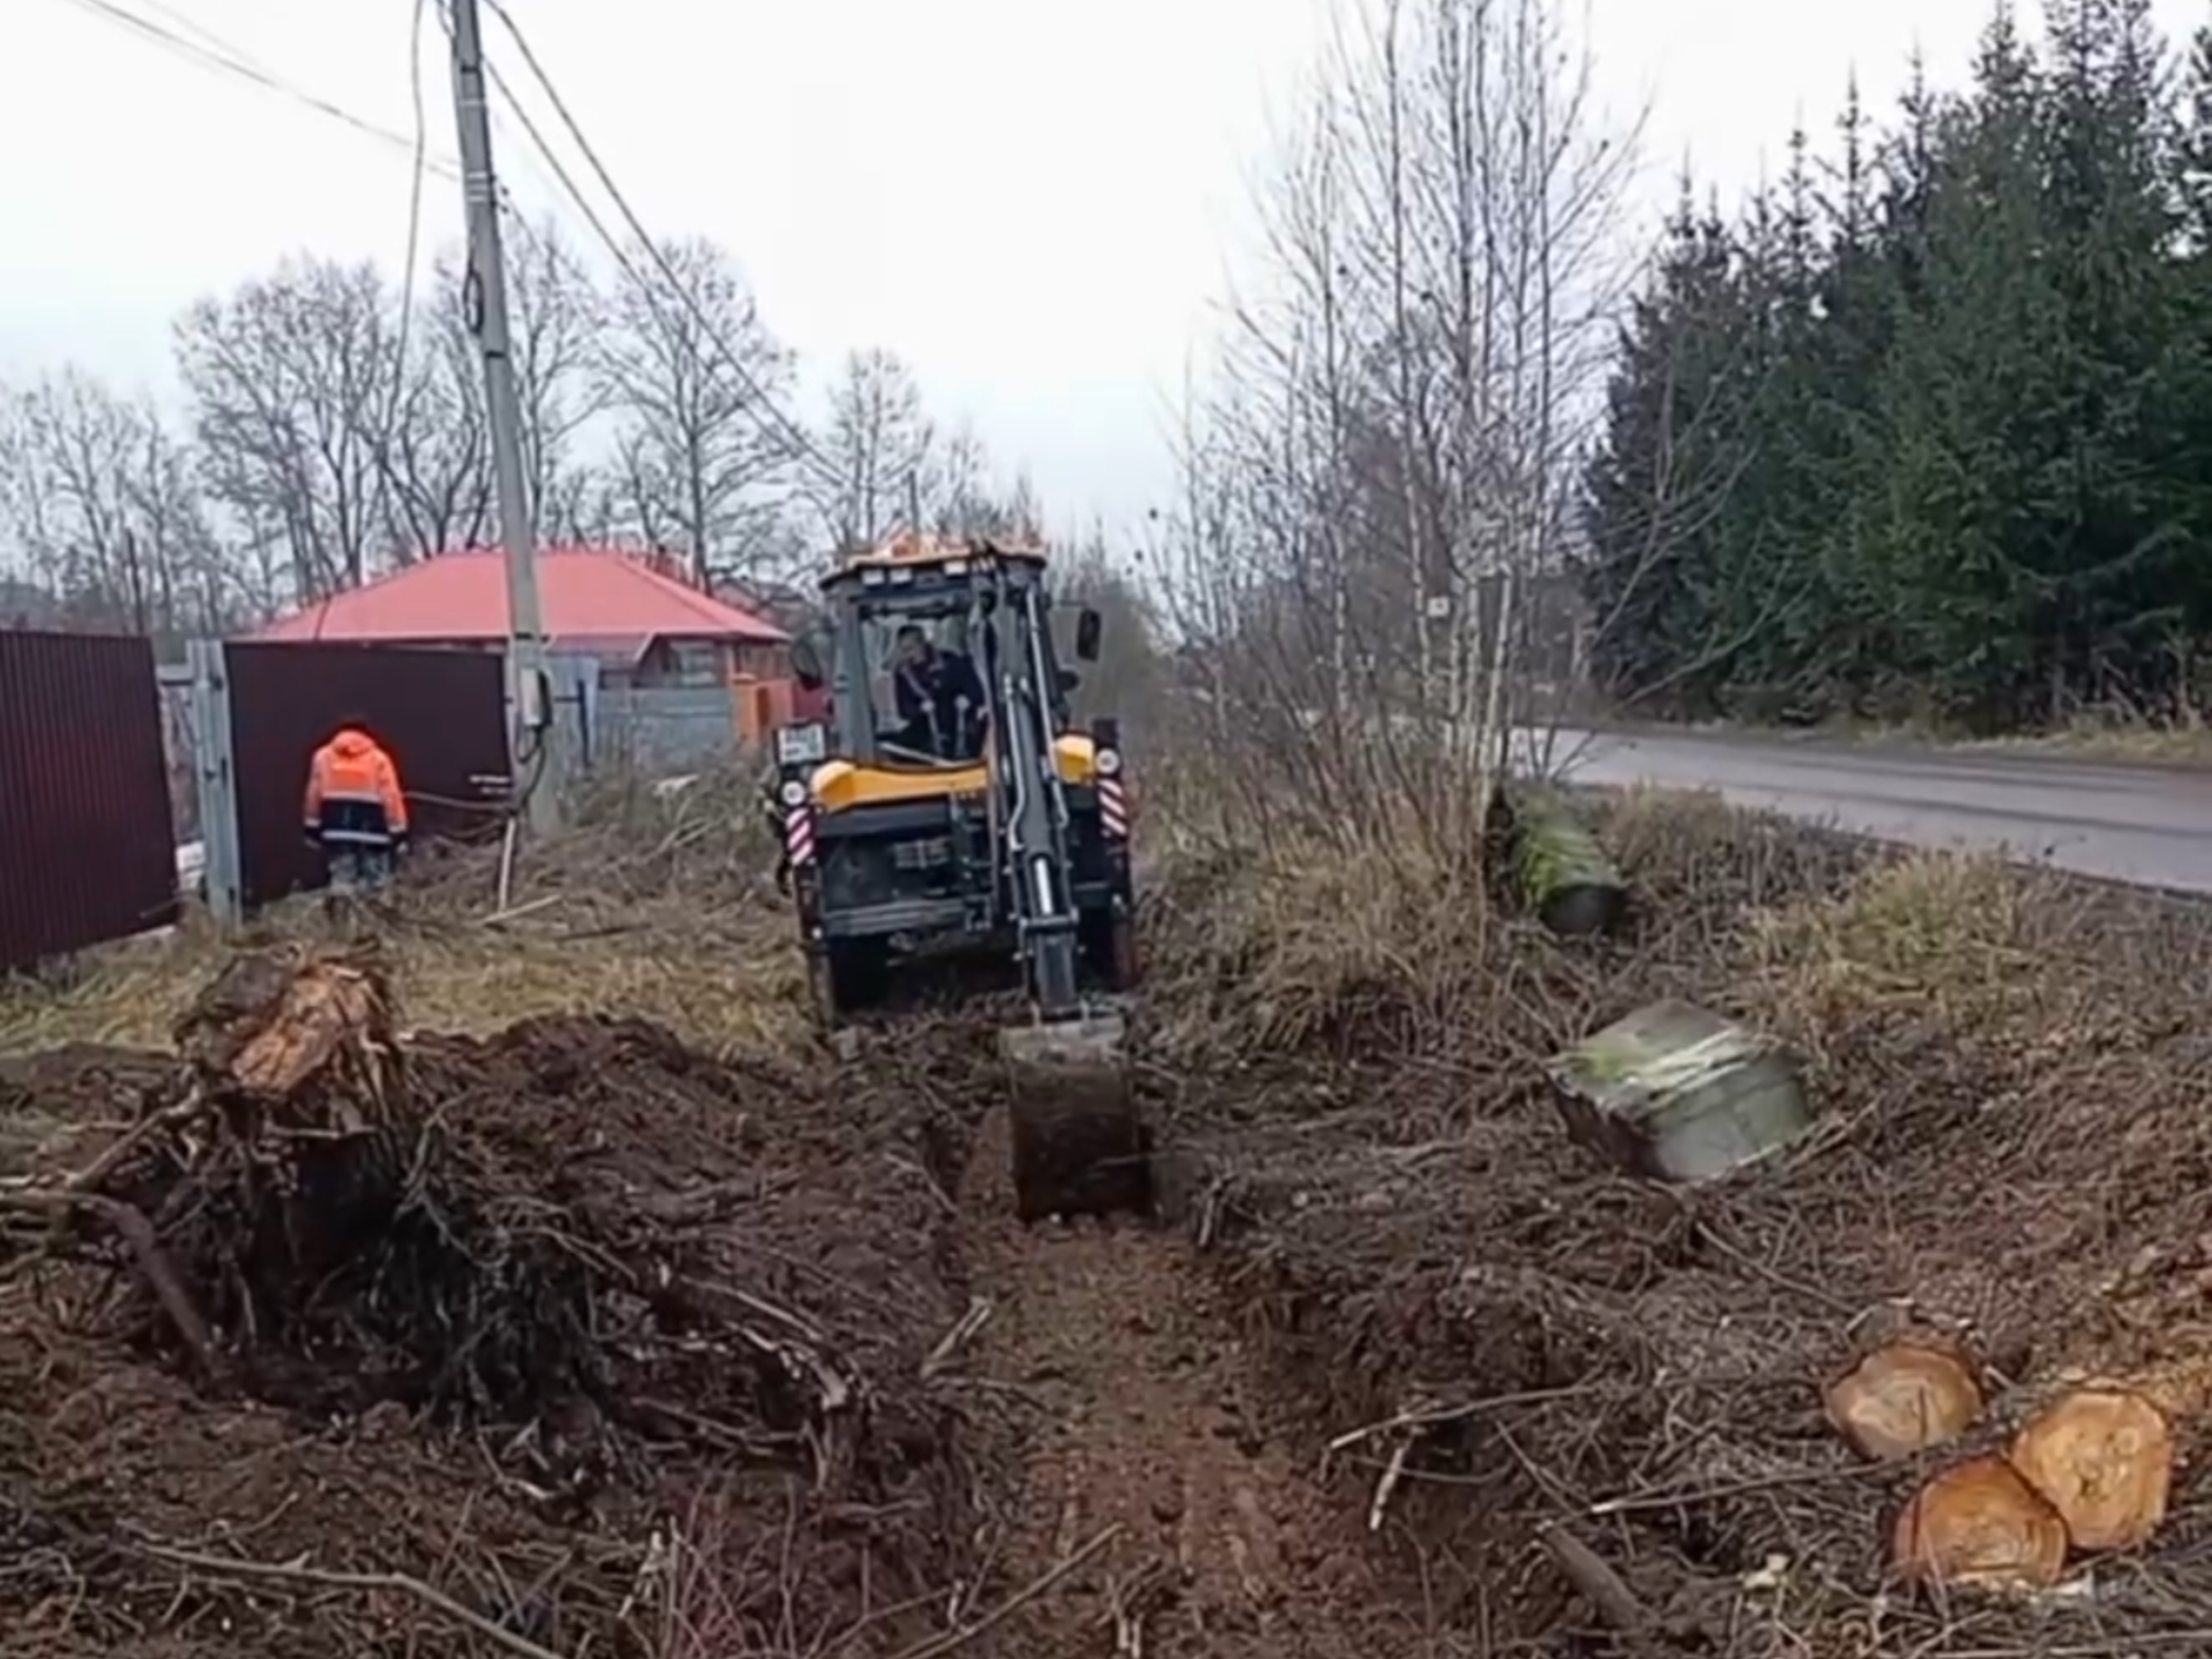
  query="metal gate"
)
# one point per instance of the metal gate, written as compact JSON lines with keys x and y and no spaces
{"x":442,"y":714}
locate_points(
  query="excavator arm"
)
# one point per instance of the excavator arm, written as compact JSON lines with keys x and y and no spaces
{"x":1036,"y":837}
{"x":1079,"y":1138}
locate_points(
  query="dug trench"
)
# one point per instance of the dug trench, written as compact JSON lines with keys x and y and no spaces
{"x":1152,"y":1502}
{"x":572,"y":1340}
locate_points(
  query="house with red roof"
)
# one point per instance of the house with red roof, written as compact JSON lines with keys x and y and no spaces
{"x":632,"y":611}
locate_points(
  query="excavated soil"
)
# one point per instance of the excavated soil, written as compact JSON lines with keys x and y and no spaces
{"x":575,"y":1341}
{"x":630,"y":1350}
{"x":574,"y":1337}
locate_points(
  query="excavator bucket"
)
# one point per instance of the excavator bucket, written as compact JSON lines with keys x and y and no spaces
{"x":1079,"y":1142}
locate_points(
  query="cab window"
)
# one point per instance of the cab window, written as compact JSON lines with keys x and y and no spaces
{"x":879,"y":633}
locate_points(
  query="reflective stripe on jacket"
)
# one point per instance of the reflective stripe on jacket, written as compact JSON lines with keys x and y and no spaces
{"x":353,"y":791}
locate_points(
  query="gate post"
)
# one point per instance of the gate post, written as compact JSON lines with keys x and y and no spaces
{"x":575,"y":687}
{"x":217,"y":779}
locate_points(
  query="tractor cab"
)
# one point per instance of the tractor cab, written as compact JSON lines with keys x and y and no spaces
{"x":938,"y":615}
{"x":963,"y":812}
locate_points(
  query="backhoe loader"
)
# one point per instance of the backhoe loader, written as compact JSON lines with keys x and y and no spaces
{"x":946,"y":808}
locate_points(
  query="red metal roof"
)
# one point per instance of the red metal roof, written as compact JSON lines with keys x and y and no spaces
{"x":588,"y":597}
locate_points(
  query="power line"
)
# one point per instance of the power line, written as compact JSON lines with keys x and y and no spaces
{"x":764,"y":409}
{"x":421,"y":155}
{"x":191,"y":26}
{"x":560,"y":175}
{"x":210,"y":51}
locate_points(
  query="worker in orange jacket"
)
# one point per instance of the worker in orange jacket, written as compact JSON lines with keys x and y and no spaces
{"x":355,"y":809}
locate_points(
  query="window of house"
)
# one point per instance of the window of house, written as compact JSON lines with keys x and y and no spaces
{"x":695,"y":662}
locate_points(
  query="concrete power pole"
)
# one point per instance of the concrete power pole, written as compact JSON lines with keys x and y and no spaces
{"x":535,"y":753}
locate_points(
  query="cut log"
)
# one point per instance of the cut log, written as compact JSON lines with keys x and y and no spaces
{"x":2103,"y":1458}
{"x":1914,"y":1393}
{"x":1561,"y":871}
{"x":1980,"y":1525}
{"x":1674,"y":1093}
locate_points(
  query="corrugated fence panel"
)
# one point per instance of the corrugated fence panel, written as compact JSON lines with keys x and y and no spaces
{"x":87,"y":851}
{"x":442,"y":714}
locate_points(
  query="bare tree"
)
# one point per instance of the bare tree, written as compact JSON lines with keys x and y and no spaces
{"x":1384,"y":457}
{"x":889,"y":463}
{"x":98,"y":498}
{"x":432,"y":442}
{"x":435,"y":460}
{"x":880,"y":441}
{"x":559,"y":316}
{"x":962,"y":494}
{"x":291,"y":378}
{"x":691,"y":369}
{"x":194,"y":583}
{"x":70,"y":446}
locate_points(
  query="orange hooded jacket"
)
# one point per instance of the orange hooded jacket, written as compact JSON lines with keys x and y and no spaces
{"x":353,"y":767}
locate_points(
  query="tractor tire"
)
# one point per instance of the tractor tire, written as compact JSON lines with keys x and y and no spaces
{"x":846,"y":977}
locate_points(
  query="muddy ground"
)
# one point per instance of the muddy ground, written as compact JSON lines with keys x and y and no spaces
{"x":589,"y":1343}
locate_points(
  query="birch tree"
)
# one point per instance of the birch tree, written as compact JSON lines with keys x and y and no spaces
{"x":1383,"y":456}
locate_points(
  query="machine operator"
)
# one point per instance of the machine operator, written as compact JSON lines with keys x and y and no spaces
{"x":939,"y":698}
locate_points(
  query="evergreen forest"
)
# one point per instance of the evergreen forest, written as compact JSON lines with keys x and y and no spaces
{"x":1924,"y":431}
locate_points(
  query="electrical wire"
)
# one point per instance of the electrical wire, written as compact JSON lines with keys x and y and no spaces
{"x":191,"y":26}
{"x":198,"y":45}
{"x":210,"y":51}
{"x":421,"y":167}
{"x":560,"y":174}
{"x":763,"y":408}
{"x":421,"y":157}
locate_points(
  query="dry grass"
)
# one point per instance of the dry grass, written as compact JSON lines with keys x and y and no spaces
{"x":2126,"y":740}
{"x":1305,"y":944}
{"x":648,"y":905}
{"x":2105,"y":739}
{"x":2013,"y":1123}
{"x":1926,"y":929}
{"x":2115,"y":740}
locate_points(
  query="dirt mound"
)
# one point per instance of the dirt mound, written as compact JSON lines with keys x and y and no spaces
{"x":1517,"y":1357}
{"x":609,"y":1337}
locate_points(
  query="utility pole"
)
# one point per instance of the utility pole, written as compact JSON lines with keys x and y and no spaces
{"x":534,"y":748}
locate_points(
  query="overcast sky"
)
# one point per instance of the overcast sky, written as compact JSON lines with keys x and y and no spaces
{"x":1033,"y":201}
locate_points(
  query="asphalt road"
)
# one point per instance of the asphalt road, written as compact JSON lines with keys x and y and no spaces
{"x":2137,"y":825}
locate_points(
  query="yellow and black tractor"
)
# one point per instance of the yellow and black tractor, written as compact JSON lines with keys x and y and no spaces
{"x":948,"y":808}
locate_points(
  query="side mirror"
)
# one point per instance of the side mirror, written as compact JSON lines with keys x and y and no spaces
{"x":1089,"y":625}
{"x":806,"y":664}
{"x":1069,"y":679}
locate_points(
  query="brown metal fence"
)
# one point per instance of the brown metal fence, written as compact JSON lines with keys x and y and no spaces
{"x":87,"y":851}
{"x":442,"y":714}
